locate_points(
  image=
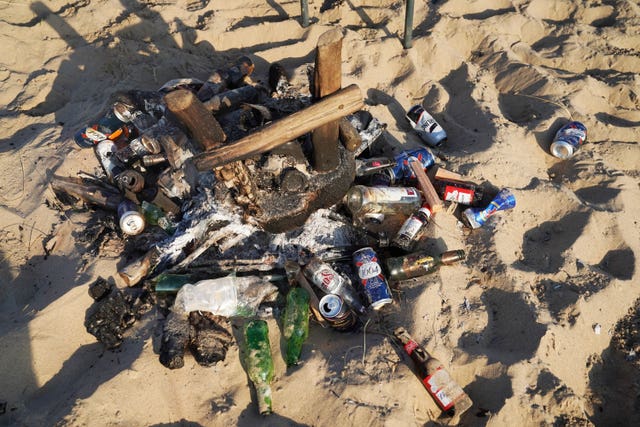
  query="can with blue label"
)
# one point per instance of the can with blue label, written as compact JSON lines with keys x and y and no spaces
{"x":478,"y":217}
{"x":370,"y":275}
{"x":568,"y":140}
{"x":402,"y":170}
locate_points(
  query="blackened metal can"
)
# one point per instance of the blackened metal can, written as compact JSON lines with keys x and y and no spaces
{"x":337,"y":313}
{"x":372,"y":279}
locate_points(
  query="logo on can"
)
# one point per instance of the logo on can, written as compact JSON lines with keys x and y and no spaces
{"x":372,"y":279}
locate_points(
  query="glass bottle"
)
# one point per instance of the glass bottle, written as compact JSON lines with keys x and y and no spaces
{"x":259,"y":362}
{"x":296,"y":323}
{"x":420,"y":263}
{"x":445,"y":391}
{"x":362,"y":200}
{"x":411,"y":230}
{"x":156,"y":216}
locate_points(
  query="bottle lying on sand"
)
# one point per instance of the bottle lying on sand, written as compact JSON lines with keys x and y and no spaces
{"x":259,"y":362}
{"x":445,"y":391}
{"x":420,"y":263}
{"x":295,"y":323}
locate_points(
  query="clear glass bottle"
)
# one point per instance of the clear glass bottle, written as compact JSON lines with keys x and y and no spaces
{"x":362,"y":200}
{"x":412,"y":229}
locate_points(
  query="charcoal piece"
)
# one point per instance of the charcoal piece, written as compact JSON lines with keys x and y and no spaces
{"x":210,"y":337}
{"x":108,"y":318}
{"x":175,"y":336}
{"x":99,"y":289}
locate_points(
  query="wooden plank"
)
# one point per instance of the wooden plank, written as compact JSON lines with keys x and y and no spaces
{"x":327,"y":79}
{"x":344,"y":102}
{"x":428,"y":191}
{"x":194,"y":115}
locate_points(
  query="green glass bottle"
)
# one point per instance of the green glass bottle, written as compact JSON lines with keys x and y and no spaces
{"x":296,"y":323}
{"x":420,"y":263}
{"x":259,"y":362}
{"x":168,"y":282}
{"x":156,"y":216}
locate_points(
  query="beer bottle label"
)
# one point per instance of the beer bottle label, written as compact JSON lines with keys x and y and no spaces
{"x":458,"y":194}
{"x":369,"y":270}
{"x":410,"y":227}
{"x":443,"y":389}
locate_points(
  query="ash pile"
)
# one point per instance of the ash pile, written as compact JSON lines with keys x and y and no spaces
{"x":243,"y":199}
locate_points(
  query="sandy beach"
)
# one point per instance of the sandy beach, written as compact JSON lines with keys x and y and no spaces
{"x":540,"y":325}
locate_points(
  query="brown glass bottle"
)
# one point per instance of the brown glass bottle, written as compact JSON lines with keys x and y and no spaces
{"x":448,"y":395}
{"x":418,"y":264}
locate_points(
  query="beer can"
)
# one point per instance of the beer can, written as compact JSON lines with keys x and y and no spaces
{"x":337,"y":313}
{"x":568,"y":140}
{"x":373,"y":282}
{"x":426,"y":126}
{"x":477,"y":217}
{"x":402,"y":170}
{"x":130,"y":219}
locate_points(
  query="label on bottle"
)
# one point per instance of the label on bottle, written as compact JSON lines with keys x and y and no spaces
{"x":443,"y":389}
{"x":397,"y":194}
{"x":410,"y":346}
{"x":94,"y":134}
{"x":326,"y":279}
{"x":458,"y":194}
{"x":411,"y":227}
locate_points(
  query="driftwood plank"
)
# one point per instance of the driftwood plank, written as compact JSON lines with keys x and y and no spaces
{"x":345,"y":101}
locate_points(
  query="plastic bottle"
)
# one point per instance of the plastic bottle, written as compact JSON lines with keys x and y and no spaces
{"x":420,"y":263}
{"x":477,"y":217}
{"x":362,"y":200}
{"x":331,"y":282}
{"x":228,"y":296}
{"x":296,"y":323}
{"x":410,"y":232}
{"x":445,"y":391}
{"x":259,"y":362}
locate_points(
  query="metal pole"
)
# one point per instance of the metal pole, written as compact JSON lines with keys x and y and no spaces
{"x":408,"y":24}
{"x":304,"y":6}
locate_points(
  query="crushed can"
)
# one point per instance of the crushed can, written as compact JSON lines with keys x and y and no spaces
{"x":477,"y":217}
{"x":402,"y":170}
{"x":370,"y":276}
{"x":568,"y":140}
{"x":426,"y":126}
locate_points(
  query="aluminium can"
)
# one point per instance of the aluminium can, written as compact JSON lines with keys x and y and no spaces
{"x":371,"y":278}
{"x":337,"y":313}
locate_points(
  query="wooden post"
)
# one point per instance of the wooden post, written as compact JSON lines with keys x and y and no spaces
{"x":408,"y":25}
{"x":193,"y":114}
{"x":304,"y":12}
{"x":327,"y":79}
{"x":345,"y":101}
{"x":428,"y":191}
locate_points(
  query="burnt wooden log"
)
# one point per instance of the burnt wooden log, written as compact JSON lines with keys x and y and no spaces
{"x":345,"y":101}
{"x":232,"y":99}
{"x":88,"y":193}
{"x":175,"y":145}
{"x":349,"y":135}
{"x":209,"y":337}
{"x":327,"y":79}
{"x":175,"y":337}
{"x":192,"y":113}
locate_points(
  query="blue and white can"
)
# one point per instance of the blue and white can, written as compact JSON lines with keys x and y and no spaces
{"x":478,"y":217}
{"x":568,"y":140}
{"x":402,"y":170}
{"x":426,"y":126}
{"x":371,"y":278}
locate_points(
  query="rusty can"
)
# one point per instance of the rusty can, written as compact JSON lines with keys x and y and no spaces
{"x":337,"y":313}
{"x":373,"y":282}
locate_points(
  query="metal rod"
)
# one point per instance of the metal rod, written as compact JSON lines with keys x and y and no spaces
{"x":408,"y":25}
{"x":304,"y":6}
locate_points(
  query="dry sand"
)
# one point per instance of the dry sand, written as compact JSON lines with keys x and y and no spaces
{"x":515,"y":324}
